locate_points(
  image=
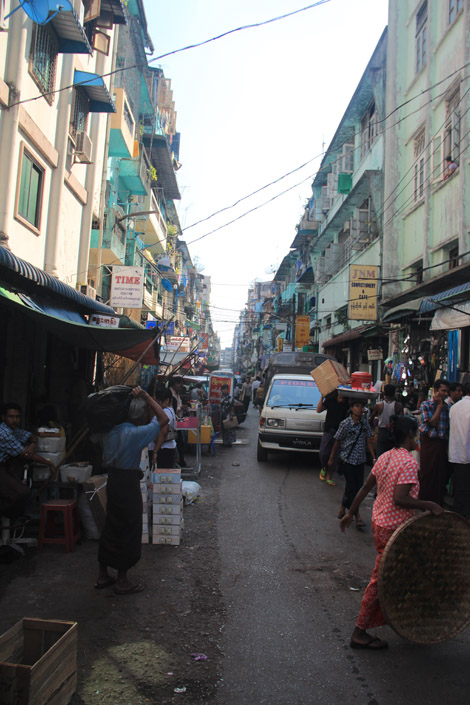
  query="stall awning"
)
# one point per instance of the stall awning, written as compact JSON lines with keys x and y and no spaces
{"x":96,"y":91}
{"x":404,"y":310}
{"x":117,"y":8}
{"x":345,"y":337}
{"x":450,"y":318}
{"x":20,"y":274}
{"x":457,"y":292}
{"x":72,"y":330}
{"x":71,"y":35}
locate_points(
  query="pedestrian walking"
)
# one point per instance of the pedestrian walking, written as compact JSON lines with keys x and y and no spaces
{"x":351,"y":439}
{"x":165,"y":445}
{"x":434,"y":429}
{"x":121,"y":541}
{"x":459,"y":452}
{"x":336,"y":411}
{"x":396,"y":476}
{"x":254,"y":388}
{"x":383,"y":411}
{"x":247,"y":391}
{"x":227,"y":411}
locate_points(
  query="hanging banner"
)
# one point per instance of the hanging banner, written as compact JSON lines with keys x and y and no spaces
{"x":215,"y":387}
{"x":177,"y":343}
{"x":302,"y":331}
{"x":204,"y":341}
{"x":362,"y":292}
{"x":127,"y":287}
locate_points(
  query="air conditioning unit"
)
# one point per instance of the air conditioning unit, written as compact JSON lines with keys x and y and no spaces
{"x":83,"y":147}
{"x":87,"y":290}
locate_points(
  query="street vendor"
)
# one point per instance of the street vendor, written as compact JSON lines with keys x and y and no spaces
{"x":121,"y":540}
{"x":17,"y":448}
{"x":396,"y":475}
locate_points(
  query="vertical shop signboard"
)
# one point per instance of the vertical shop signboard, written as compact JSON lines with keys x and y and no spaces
{"x":204,"y":342}
{"x":216,"y":383}
{"x":302,"y":331}
{"x":362,"y":292}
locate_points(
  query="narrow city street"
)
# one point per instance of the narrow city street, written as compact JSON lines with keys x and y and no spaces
{"x":264,"y":585}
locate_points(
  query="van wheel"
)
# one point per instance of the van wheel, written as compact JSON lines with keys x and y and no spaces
{"x":261,"y":453}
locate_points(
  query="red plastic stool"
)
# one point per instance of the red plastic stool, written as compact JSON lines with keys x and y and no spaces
{"x":71,"y":534}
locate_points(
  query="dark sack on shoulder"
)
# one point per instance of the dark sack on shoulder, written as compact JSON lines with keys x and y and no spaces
{"x":108,"y":408}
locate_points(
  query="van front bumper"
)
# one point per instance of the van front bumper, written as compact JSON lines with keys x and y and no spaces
{"x":283,"y":441}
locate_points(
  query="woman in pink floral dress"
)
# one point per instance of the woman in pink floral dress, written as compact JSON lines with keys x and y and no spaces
{"x":396,"y":475}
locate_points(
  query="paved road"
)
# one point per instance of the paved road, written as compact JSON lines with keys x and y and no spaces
{"x":289,"y":582}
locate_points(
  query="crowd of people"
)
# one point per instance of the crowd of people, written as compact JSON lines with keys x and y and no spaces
{"x":387,"y":438}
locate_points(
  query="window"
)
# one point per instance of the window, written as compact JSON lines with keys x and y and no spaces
{"x":369,"y":129}
{"x":43,"y":61}
{"x":30,"y":188}
{"x":453,"y":257}
{"x":418,"y":271}
{"x":419,"y":146}
{"x":452,"y":126}
{"x":454,"y":8}
{"x":80,"y":110}
{"x":421,"y":36}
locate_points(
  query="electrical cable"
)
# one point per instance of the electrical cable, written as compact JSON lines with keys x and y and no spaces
{"x":174,"y":51}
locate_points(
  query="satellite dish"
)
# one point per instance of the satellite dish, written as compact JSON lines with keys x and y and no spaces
{"x":38,"y":10}
{"x":167,"y":285}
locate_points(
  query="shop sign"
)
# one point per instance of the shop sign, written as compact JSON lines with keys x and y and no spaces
{"x":204,"y":341}
{"x":216,"y":383}
{"x":281,"y":325}
{"x":362,"y":292}
{"x":375,"y":355}
{"x":101,"y":321}
{"x":280,"y":344}
{"x":302,"y":331}
{"x":127,"y":287}
{"x":177,"y":343}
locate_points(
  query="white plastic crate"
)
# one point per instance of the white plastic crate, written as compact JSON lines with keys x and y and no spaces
{"x":73,"y":472}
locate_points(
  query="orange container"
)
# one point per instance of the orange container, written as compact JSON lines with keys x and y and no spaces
{"x":361,"y":380}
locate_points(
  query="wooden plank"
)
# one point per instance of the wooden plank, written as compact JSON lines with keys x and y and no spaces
{"x":11,"y":644}
{"x":56,"y":666}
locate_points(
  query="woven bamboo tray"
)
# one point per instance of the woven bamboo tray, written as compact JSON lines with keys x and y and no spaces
{"x":424,"y":578}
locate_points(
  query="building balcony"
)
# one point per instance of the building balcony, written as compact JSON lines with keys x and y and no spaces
{"x":121,"y":136}
{"x":155,"y":226}
{"x":133,"y":175}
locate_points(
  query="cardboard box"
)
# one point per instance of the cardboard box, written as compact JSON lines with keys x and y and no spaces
{"x":95,"y":492}
{"x":329,"y":375}
{"x":158,"y":530}
{"x":166,"y":499}
{"x":167,"y":488}
{"x":166,"y":519}
{"x":168,"y":540}
{"x":166,"y":477}
{"x":166,"y":509}
{"x":38,"y":662}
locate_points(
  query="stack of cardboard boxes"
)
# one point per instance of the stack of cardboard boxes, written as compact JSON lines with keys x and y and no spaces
{"x":167,"y":507}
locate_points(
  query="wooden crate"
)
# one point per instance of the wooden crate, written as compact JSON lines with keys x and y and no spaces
{"x":38,"y":663}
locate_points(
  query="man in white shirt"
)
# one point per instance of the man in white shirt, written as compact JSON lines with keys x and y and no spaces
{"x":459,"y":452}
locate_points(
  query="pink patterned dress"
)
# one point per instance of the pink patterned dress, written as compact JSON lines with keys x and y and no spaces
{"x":395,"y":467}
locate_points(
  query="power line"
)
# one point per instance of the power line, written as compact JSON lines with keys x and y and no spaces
{"x":176,"y":51}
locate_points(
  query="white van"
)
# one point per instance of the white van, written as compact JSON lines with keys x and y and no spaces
{"x":289,"y":419}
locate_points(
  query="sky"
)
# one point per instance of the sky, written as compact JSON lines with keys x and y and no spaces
{"x":252,"y":107}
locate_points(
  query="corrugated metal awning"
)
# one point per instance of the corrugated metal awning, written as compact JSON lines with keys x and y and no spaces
{"x":26,"y":277}
{"x":457,"y":292}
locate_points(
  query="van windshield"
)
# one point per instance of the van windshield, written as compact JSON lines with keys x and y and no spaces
{"x":293,"y":392}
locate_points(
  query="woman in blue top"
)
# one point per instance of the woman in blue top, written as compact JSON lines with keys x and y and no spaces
{"x":121,"y":540}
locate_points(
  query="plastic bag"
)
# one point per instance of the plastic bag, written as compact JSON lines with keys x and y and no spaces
{"x":190,"y":491}
{"x":108,"y":408}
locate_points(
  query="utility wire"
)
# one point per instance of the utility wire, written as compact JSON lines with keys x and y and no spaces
{"x":176,"y":51}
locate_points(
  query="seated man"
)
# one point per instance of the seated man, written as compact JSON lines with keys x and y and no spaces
{"x":17,"y":447}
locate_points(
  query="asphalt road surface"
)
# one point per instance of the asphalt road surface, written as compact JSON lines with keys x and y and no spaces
{"x":292,"y":585}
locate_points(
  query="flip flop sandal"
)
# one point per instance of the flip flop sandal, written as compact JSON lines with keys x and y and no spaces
{"x":360,"y":524}
{"x":107,"y":583}
{"x":372,"y":645}
{"x":331,"y":483}
{"x":129,"y":591}
{"x":341,"y":514}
